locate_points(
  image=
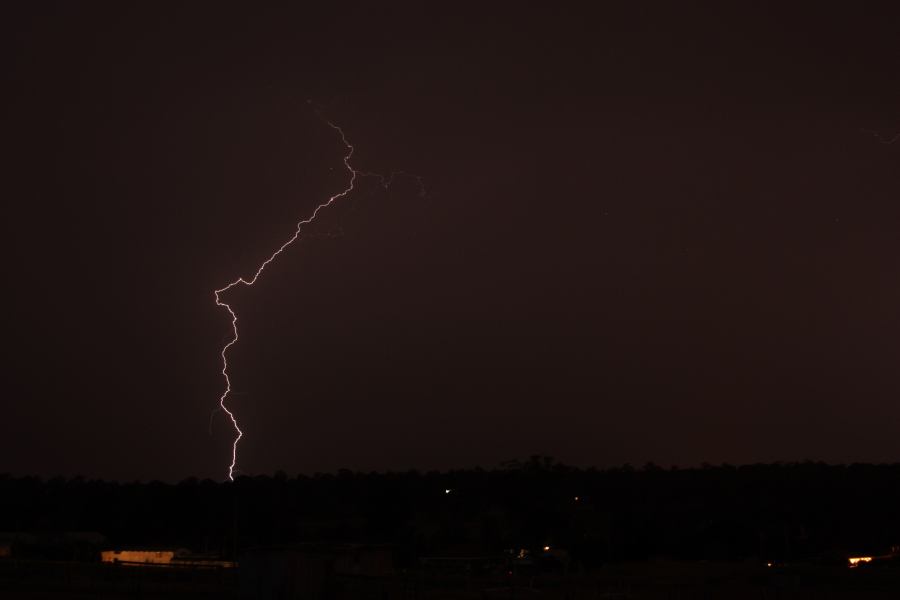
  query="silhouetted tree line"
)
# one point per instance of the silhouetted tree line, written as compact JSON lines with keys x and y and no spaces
{"x":780,"y":512}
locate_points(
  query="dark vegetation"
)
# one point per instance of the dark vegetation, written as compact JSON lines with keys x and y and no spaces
{"x":779,"y":512}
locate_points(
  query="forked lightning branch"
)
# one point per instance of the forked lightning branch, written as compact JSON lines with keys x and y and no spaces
{"x":354,"y":174}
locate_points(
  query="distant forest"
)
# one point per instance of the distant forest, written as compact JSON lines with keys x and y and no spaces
{"x":775,"y":512}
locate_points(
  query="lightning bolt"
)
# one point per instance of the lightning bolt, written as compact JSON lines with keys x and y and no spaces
{"x":385,"y":181}
{"x":881,"y":138}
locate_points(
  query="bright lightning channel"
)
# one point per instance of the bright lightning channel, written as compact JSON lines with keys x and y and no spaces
{"x":354,"y":174}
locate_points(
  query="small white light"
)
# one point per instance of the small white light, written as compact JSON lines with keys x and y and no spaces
{"x":447,"y":491}
{"x":546,"y":548}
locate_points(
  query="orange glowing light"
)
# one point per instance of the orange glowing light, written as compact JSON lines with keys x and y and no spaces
{"x":155,"y":557}
{"x":856,"y":560}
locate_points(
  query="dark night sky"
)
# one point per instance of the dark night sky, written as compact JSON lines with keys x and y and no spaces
{"x":653,"y":232}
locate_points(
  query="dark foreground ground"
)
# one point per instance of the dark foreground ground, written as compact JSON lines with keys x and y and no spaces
{"x":532,"y":529}
{"x":650,"y":580}
{"x":770,"y":513}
